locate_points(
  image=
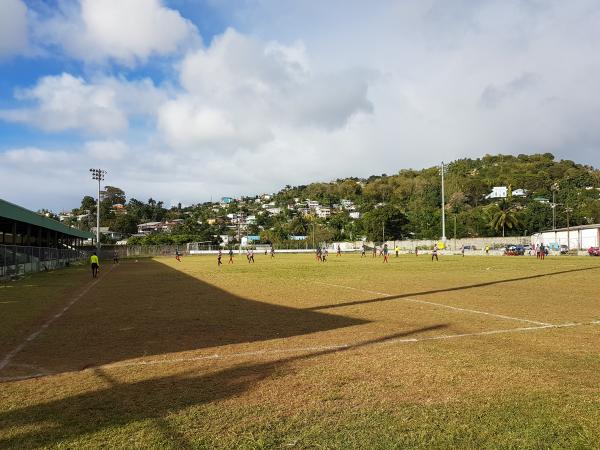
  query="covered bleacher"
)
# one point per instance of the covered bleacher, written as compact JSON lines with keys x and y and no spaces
{"x":30,"y":242}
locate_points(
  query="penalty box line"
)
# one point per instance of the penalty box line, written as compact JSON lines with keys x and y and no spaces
{"x":322,"y":348}
{"x":357,"y":344}
{"x":439,"y":305}
{"x":8,"y":358}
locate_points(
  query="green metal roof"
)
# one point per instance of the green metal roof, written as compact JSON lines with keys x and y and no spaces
{"x":11,"y":211}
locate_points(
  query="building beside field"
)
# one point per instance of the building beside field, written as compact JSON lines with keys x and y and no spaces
{"x":579,"y":237}
{"x":30,"y":242}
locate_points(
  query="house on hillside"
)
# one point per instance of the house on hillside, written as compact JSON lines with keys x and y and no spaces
{"x":503,"y":191}
{"x":148,"y":227}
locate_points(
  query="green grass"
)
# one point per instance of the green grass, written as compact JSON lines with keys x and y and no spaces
{"x":290,"y":353}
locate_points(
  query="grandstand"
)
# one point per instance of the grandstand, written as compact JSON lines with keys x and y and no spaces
{"x":30,"y":242}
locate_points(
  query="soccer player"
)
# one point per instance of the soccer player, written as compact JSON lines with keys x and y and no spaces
{"x":434,"y":253}
{"x":230,"y":256}
{"x":416,"y":251}
{"x":219,"y":256}
{"x":318,"y":254}
{"x":462,"y":250}
{"x":364,"y":251}
{"x":374,"y":255}
{"x":115,"y":257}
{"x":385,"y":253}
{"x":397,"y":249}
{"x":487,"y":250}
{"x":251,"y":256}
{"x":272,"y":251}
{"x":324,"y":255}
{"x":95,"y":263}
{"x":339,"y":251}
{"x":542,"y":251}
{"x":177,"y":255}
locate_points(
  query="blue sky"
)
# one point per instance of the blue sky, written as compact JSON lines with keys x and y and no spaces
{"x":184,"y":100}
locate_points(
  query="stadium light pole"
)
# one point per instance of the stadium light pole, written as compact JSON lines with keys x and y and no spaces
{"x":443,"y":208}
{"x":98,"y":174}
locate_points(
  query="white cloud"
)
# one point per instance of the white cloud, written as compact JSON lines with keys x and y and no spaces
{"x":100,"y":107}
{"x":127,"y":32}
{"x":240,"y":91}
{"x":13,"y":27}
{"x":110,"y":150}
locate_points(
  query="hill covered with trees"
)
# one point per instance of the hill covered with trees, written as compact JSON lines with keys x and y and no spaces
{"x":395,"y":206}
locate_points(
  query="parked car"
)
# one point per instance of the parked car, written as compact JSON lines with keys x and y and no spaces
{"x":564,"y":249}
{"x":514,"y":250}
{"x":469,"y":247}
{"x":594,"y":251}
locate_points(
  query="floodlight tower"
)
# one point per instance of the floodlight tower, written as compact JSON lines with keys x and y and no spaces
{"x":443,"y":206}
{"x":98,"y":174}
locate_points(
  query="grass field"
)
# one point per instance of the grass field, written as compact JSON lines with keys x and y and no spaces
{"x":474,"y":352}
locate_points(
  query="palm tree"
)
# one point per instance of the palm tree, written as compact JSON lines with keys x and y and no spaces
{"x":502,"y":216}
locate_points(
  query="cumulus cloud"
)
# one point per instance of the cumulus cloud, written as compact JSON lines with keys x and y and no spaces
{"x":13,"y":27}
{"x":107,"y":151}
{"x":240,"y":91}
{"x":310,"y":93}
{"x":101,"y":107}
{"x":127,"y":32}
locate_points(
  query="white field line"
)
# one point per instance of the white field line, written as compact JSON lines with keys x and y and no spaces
{"x":153,"y":362}
{"x":7,"y":359}
{"x":439,"y":305}
{"x":339,"y":346}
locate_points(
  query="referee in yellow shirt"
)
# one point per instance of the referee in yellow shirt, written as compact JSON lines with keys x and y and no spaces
{"x":95,"y":265}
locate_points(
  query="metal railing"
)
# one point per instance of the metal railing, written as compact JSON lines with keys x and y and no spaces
{"x":16,"y":260}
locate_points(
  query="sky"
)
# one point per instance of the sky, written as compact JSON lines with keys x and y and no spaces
{"x":190,"y":100}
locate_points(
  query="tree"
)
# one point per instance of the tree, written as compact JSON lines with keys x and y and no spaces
{"x":125,"y":224}
{"x":502,"y":216}
{"x":114,"y":195}
{"x":387,"y":219}
{"x":88,"y":204}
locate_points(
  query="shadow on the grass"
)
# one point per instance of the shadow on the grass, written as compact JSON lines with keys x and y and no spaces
{"x":148,"y":308}
{"x":450,"y":289}
{"x":124,"y":403}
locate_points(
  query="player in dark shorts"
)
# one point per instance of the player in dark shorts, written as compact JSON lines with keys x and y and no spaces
{"x":416,"y":251}
{"x":177,"y":255}
{"x":364,"y":251}
{"x":251,"y":256}
{"x":324,"y":255}
{"x":434,"y":253}
{"x":385,"y":253}
{"x":115,"y":257}
{"x":318,"y":254}
{"x":374,"y":252}
{"x":272,"y":252}
{"x":95,"y":264}
{"x":339,"y":251}
{"x":542,"y":251}
{"x":230,"y":256}
{"x":219,"y":256}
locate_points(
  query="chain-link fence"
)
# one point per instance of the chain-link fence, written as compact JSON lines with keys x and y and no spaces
{"x":18,"y":260}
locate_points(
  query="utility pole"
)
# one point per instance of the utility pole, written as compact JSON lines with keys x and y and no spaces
{"x":568,"y":210}
{"x":554,"y":188}
{"x":98,"y":174}
{"x":455,"y":232}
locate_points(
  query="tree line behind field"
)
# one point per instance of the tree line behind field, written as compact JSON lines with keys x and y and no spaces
{"x":399,"y":206}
